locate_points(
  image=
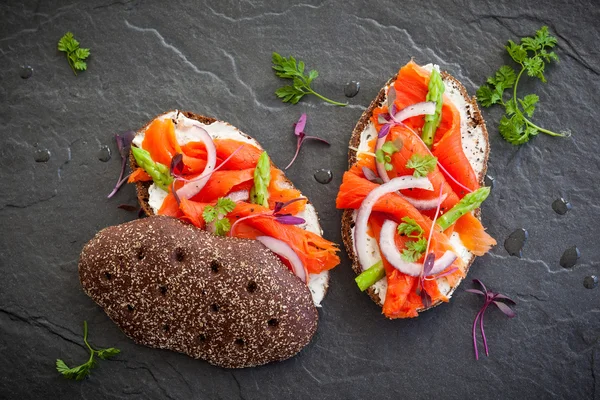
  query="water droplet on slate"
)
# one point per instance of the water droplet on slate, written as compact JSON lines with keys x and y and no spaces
{"x":104,"y":154}
{"x":590,"y":282}
{"x":351,"y":89}
{"x":26,"y":71}
{"x":489,"y":181}
{"x":323,"y":176}
{"x":569,"y":257}
{"x":515,"y":241}
{"x":41,"y":155}
{"x":561,"y":206}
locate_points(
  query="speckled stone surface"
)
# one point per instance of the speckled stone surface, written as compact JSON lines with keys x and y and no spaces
{"x":214,"y":58}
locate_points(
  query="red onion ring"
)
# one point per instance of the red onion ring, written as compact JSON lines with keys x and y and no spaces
{"x":419,"y":204}
{"x":425,"y":107}
{"x":282,"y":249}
{"x":195,"y":185}
{"x":362,"y":217}
{"x":388,"y":248}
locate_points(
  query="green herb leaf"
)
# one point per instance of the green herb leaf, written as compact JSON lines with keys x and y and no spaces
{"x":222,"y":226}
{"x":528,"y":104}
{"x":83,"y":370}
{"x":107,"y":353}
{"x":209,"y":214}
{"x":410,"y":228}
{"x":225,"y":205}
{"x":422,"y":164}
{"x":532,"y":54}
{"x":414,"y":250}
{"x":75,"y":54}
{"x":288,"y":68}
{"x":217,"y":213}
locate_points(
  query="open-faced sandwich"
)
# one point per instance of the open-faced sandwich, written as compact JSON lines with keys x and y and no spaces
{"x":417,"y":160}
{"x":230,"y":265}
{"x":208,"y":173}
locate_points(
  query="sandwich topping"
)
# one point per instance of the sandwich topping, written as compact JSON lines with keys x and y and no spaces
{"x":414,"y":189}
{"x":219,"y":179}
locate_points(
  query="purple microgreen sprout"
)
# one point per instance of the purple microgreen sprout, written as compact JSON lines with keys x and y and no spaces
{"x":124,"y":145}
{"x":176,"y":168}
{"x":499,"y":300}
{"x":427,"y":267}
{"x":302,"y":137}
{"x":287,"y":218}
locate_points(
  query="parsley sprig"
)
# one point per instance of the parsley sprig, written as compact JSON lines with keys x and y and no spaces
{"x":83,"y":370}
{"x":532,"y":54}
{"x":290,"y":69}
{"x":422,"y":164}
{"x":217,"y":214}
{"x":414,"y":248}
{"x":75,"y":54}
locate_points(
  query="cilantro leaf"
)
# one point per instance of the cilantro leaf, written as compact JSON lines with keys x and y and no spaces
{"x":486,"y":96}
{"x":528,"y":104}
{"x":225,"y":205}
{"x":83,"y":370}
{"x":75,"y":54}
{"x":222,"y":226}
{"x":289,"y":68}
{"x":532,"y":54}
{"x":535,"y":67}
{"x":209,"y":214}
{"x":217,"y":215}
{"x":107,"y":353}
{"x":422,"y":164}
{"x":516,"y":52}
{"x":414,"y":250}
{"x":409,"y":227}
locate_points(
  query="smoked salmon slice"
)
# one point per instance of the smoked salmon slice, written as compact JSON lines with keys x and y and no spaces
{"x":473,"y":235}
{"x":411,"y":87}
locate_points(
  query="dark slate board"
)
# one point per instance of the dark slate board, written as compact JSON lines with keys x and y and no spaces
{"x":214,"y":59}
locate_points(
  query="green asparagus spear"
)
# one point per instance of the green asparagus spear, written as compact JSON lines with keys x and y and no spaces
{"x":159,"y":172}
{"x":262,"y":176}
{"x":468,"y":203}
{"x":369,"y":276}
{"x":432,"y":121}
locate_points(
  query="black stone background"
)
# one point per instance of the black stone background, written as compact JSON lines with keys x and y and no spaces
{"x":214,"y":58}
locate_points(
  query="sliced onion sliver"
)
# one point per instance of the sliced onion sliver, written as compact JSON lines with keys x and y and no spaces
{"x":423,"y":108}
{"x":388,"y":248}
{"x":419,"y":204}
{"x":192,"y":187}
{"x":362,"y":217}
{"x":284,"y":250}
{"x":240,"y":195}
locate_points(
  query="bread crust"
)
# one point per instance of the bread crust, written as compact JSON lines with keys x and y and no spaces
{"x":475,"y":119}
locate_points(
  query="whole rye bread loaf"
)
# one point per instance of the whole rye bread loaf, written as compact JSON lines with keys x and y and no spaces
{"x":169,"y":285}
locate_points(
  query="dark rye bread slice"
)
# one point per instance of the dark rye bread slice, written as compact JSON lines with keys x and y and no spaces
{"x":475,"y":120}
{"x":172,"y":286}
